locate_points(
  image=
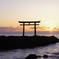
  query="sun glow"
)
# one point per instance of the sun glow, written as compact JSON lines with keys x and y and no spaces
{"x":49,"y":29}
{"x":51,"y":23}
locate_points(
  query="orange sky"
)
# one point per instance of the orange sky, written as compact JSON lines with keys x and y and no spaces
{"x":12,"y":11}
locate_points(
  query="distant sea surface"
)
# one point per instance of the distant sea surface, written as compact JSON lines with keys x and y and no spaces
{"x":51,"y":50}
{"x":49,"y":34}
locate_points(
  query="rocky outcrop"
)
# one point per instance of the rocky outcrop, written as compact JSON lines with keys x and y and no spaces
{"x":14,"y":42}
{"x":34,"y":56}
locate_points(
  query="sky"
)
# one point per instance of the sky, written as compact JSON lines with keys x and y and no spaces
{"x":12,"y":11}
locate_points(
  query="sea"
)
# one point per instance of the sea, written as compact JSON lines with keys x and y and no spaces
{"x":51,"y":50}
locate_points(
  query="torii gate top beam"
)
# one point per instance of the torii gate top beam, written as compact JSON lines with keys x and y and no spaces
{"x":29,"y":21}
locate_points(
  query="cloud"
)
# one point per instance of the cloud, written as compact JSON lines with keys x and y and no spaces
{"x":18,"y":29}
{"x":55,"y":29}
{"x":10,"y":29}
{"x":40,"y":28}
{"x":43,"y":28}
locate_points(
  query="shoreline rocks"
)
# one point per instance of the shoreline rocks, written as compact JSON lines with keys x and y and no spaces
{"x":33,"y":56}
{"x":22,"y":42}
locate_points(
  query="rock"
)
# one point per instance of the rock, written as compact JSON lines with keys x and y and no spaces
{"x":45,"y":56}
{"x":31,"y":56}
{"x":39,"y":56}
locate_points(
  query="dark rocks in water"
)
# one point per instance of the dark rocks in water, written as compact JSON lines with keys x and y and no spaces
{"x":39,"y":56}
{"x":45,"y":56}
{"x":31,"y":56}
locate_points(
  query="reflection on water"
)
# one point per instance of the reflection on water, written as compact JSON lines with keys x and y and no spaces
{"x":52,"y":51}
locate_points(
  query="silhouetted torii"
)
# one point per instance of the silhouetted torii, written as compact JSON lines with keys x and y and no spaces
{"x":29,"y":23}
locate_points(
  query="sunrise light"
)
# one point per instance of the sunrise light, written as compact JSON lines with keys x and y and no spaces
{"x":12,"y":11}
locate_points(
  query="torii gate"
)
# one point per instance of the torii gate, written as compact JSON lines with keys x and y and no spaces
{"x":29,"y":23}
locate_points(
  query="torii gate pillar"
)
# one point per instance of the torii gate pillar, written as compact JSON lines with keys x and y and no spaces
{"x":35,"y":29}
{"x":23,"y":29}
